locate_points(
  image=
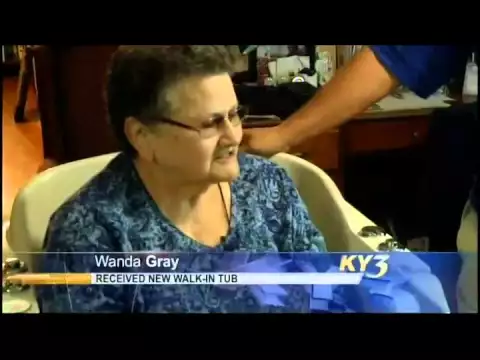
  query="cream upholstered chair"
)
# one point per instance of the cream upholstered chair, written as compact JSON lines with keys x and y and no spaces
{"x":338,"y":220}
{"x":32,"y":209}
{"x":38,"y":200}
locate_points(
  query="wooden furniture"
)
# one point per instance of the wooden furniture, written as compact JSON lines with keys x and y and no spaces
{"x":369,"y":133}
{"x":378,"y":161}
{"x":25,"y":77}
{"x":21,"y":65}
{"x":70,"y":81}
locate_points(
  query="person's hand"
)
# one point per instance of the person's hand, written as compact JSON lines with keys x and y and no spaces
{"x":264,"y":141}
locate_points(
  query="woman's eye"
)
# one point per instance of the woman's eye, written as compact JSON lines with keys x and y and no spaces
{"x":214,"y":122}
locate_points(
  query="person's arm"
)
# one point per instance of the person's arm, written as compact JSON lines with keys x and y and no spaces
{"x":71,"y":232}
{"x":371,"y":75}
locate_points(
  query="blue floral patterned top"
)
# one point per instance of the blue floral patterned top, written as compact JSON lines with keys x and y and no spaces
{"x":115,"y":213}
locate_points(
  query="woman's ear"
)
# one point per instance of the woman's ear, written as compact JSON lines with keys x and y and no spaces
{"x":138,"y":136}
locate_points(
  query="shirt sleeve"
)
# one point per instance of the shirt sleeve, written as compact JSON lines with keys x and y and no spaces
{"x":423,"y":68}
{"x":305,"y":237}
{"x":77,"y":230}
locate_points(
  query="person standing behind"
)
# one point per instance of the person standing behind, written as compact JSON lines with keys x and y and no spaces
{"x":373,"y":73}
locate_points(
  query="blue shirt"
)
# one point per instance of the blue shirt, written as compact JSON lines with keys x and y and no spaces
{"x":423,"y":68}
{"x":114,"y":213}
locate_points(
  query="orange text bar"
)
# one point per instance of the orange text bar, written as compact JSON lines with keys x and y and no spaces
{"x":50,"y":279}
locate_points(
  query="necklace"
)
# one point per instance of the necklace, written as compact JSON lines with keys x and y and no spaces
{"x":223,"y":238}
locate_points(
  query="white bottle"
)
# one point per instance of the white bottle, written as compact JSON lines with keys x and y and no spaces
{"x":470,"y":84}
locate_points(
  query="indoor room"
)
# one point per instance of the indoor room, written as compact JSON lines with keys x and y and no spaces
{"x":393,"y":176}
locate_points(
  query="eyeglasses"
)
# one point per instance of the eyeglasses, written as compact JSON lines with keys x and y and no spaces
{"x":213,"y":128}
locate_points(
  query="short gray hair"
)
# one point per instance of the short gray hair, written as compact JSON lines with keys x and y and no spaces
{"x":140,"y":75}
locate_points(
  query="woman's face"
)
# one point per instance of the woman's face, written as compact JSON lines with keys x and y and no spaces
{"x":208,"y":151}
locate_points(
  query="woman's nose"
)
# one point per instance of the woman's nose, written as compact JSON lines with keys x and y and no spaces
{"x":231,"y":133}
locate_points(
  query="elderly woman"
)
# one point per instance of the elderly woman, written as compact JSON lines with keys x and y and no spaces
{"x":180,"y":185}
